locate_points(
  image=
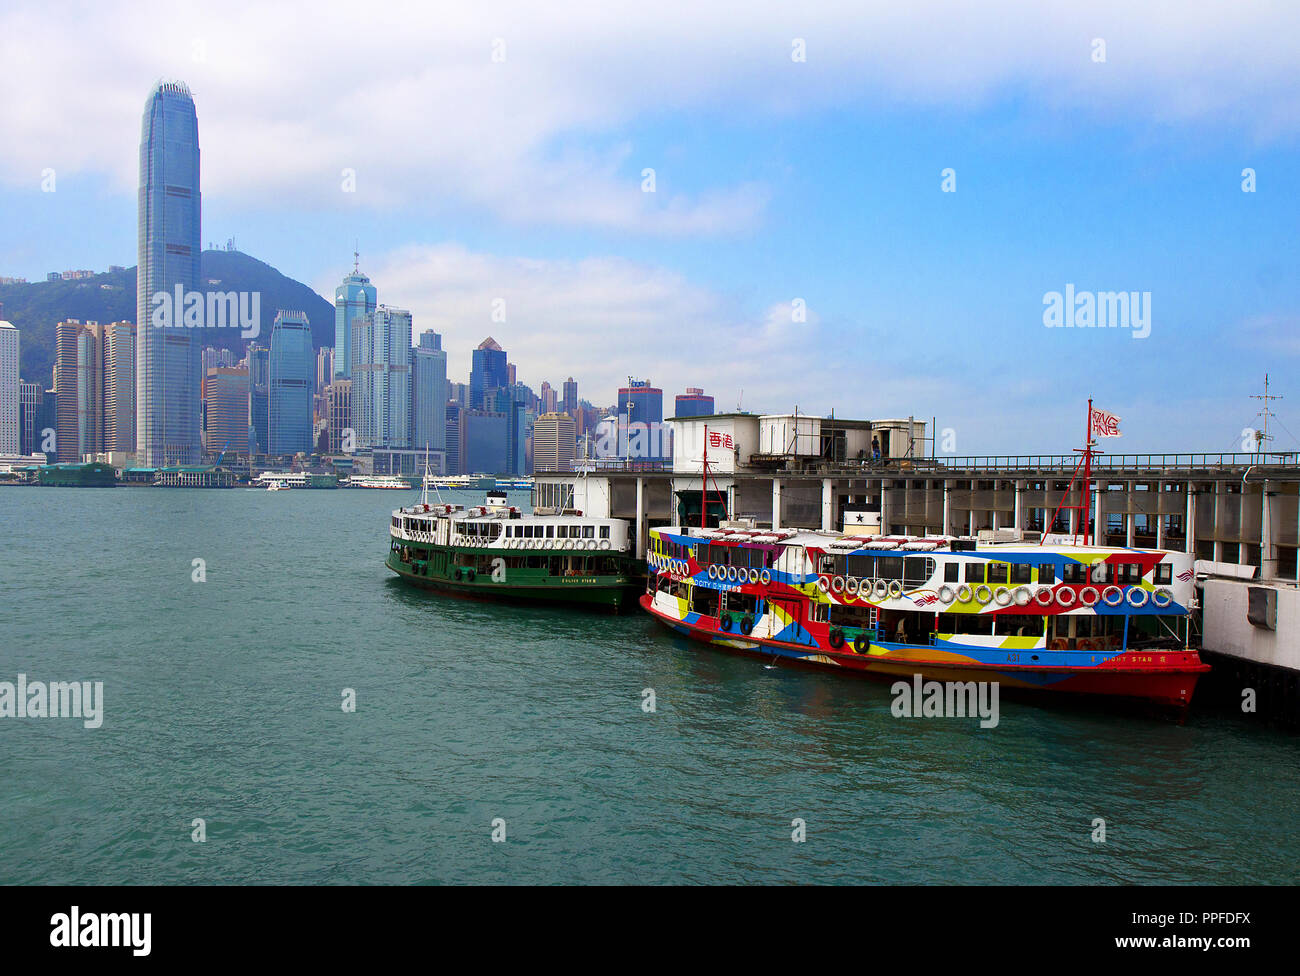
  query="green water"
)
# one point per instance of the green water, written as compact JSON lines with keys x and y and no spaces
{"x":222,"y":701}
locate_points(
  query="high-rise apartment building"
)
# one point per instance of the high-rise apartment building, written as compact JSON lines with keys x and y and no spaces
{"x":381,"y":378}
{"x":29,"y":406}
{"x":10,"y":398}
{"x":225,"y":410}
{"x":119,"y":410}
{"x":78,"y":383}
{"x":339,"y":396}
{"x":168,"y":363}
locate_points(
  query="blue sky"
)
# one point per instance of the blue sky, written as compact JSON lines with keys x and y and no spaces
{"x":776,"y":181}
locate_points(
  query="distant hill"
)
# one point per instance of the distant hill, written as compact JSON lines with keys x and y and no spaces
{"x":37,"y":307}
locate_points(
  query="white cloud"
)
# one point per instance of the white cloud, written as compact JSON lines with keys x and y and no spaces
{"x":408,"y":96}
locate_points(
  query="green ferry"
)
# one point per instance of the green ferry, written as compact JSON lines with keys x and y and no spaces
{"x":495,"y":552}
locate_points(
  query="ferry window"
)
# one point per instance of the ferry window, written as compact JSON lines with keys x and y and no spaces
{"x":834,"y":563}
{"x":917,"y":570}
{"x":1164,"y":573}
{"x":863,"y":567}
{"x":1129,"y":572}
{"x":1103,"y":572}
{"x":589,"y":531}
{"x":818,"y":612}
{"x":997,"y":572}
{"x":550,"y":532}
{"x":1021,"y":573}
{"x":951,"y":572}
{"x":604,"y":531}
{"x":889,"y":567}
{"x":1046,"y":573}
{"x":1074,"y":573}
{"x":974,"y":572}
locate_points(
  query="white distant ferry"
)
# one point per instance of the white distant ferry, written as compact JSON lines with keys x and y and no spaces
{"x":386,"y":482}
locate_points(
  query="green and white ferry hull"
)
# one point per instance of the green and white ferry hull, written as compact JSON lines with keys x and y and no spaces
{"x":493,"y":552}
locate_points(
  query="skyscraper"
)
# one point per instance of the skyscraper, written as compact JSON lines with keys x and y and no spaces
{"x":339,"y":395}
{"x":259,"y":399}
{"x":550,"y":402}
{"x":554,"y":442}
{"x":225,"y":413}
{"x":78,"y":381}
{"x":29,"y":405}
{"x":381,"y":378}
{"x":570,"y":402}
{"x":488,"y":372}
{"x":354,"y":299}
{"x":119,"y":387}
{"x":168,"y":367}
{"x":429,"y":393}
{"x":9,"y":392}
{"x":292,"y":383}
{"x":693,"y":403}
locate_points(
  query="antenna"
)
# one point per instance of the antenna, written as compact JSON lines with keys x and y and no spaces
{"x":356,"y":257}
{"x":1264,"y":436}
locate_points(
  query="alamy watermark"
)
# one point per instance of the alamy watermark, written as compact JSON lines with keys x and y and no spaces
{"x":55,"y":699}
{"x":240,"y":310}
{"x":946,"y":699}
{"x":1098,"y":310}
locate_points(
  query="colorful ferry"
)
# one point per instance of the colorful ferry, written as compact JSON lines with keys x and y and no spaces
{"x":1086,"y":620}
{"x":494,"y":551}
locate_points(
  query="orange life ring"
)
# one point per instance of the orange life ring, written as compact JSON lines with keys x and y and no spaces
{"x":1060,"y":644}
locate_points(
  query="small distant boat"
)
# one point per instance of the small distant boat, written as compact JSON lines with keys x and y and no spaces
{"x":277,"y":486}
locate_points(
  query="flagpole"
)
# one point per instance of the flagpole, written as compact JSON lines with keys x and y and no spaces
{"x":1087,"y":476}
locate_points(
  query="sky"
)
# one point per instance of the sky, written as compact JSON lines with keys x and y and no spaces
{"x":855,"y":207}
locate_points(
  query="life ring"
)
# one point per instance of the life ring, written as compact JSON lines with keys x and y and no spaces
{"x":852,"y":586}
{"x":729,"y":573}
{"x":1138,"y":597}
{"x":1021,"y":596}
{"x":1039,"y":597}
{"x":1162,"y":597}
{"x":712,"y":571}
{"x":753,"y":575}
{"x":1112,"y":591}
{"x":606,"y":544}
{"x":983,"y":595}
{"x":946,"y":594}
{"x":746,"y":623}
{"x":1059,"y":644}
{"x":1083,"y":596}
{"x":724,"y":622}
{"x":837,"y":638}
{"x":895,"y":589}
{"x":880,"y":589}
{"x":861,"y":644}
{"x":822,"y":585}
{"x":764,"y":577}
{"x":458,"y":574}
{"x":1087,"y":644}
{"x":1002,"y":596}
{"x":963,"y":593}
{"x":837,"y":584}
{"x":1065,"y":596}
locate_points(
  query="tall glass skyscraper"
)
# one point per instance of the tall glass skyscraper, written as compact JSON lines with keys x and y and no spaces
{"x":381,"y":378}
{"x":488,"y":373}
{"x":354,"y":299}
{"x":429,"y":393}
{"x":293,"y":380}
{"x":168,"y":359}
{"x":259,"y":396}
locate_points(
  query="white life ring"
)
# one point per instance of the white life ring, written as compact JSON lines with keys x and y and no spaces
{"x":983,"y":598}
{"x":963,"y":593}
{"x":731,"y":573}
{"x":1083,"y":596}
{"x":1022,"y":596}
{"x":837,"y":584}
{"x":1002,"y":596}
{"x":822,"y":585}
{"x":946,"y":595}
{"x":1043,"y":597}
{"x":713,"y":571}
{"x":880,"y":589}
{"x":764,"y":577}
{"x":753,"y":575}
{"x":895,"y":589}
{"x":1062,"y":593}
{"x":1138,"y":597}
{"x":852,"y":585}
{"x":1112,"y":591}
{"x":1162,"y":597}
{"x":606,"y":544}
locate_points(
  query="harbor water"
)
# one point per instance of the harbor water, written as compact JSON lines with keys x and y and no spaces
{"x":228,"y":627}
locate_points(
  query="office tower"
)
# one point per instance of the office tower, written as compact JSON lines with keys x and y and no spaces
{"x":29,"y":405}
{"x":487,"y":442}
{"x":488,"y":372}
{"x":381,"y":378}
{"x":78,"y":382}
{"x":259,"y":399}
{"x":47,"y":422}
{"x":119,"y":387}
{"x":324,"y":368}
{"x":554,"y":442}
{"x":641,"y":403}
{"x":454,"y":442}
{"x":225,"y":410}
{"x":354,"y":299}
{"x":339,"y":395}
{"x":550,"y":402}
{"x":570,"y":403}
{"x":429,"y":393}
{"x":168,"y":365}
{"x":292,"y":379}
{"x":510,"y":374}
{"x":213,"y":356}
{"x":10,"y":394}
{"x":693,"y":403}
{"x":458,"y":393}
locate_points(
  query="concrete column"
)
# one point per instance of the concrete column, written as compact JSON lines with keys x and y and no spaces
{"x":640,"y":518}
{"x":828,"y":505}
{"x":947,"y":510}
{"x":1218,"y":546}
{"x":885,"y":528}
{"x":1130,"y":525}
{"x":776,"y":503}
{"x":970,"y":522}
{"x":1267,"y":550}
{"x":1098,"y":526}
{"x":1189,"y":529}
{"x":1160,"y":519}
{"x":1019,"y":516}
